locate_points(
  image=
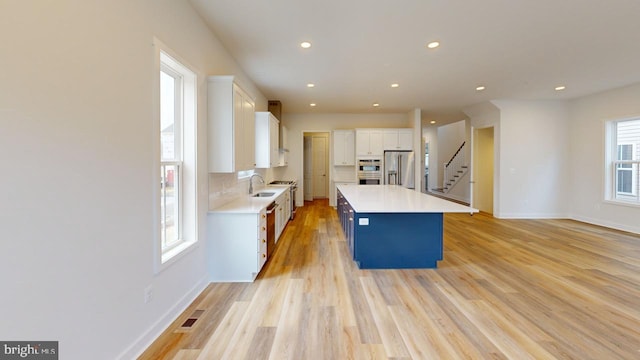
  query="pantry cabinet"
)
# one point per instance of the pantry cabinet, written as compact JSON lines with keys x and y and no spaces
{"x":267,"y":154}
{"x":231,"y":126}
{"x":344,"y":148}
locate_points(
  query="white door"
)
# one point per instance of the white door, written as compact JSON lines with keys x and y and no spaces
{"x":319,"y":145}
{"x":308,"y":169}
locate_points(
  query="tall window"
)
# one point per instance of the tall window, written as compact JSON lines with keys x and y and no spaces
{"x":624,"y":160}
{"x":177,"y":156}
{"x":171,"y":83}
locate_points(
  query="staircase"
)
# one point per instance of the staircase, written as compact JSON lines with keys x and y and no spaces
{"x":454,"y":169}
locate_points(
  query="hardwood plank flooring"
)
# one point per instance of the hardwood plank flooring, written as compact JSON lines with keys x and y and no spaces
{"x":506,"y":289}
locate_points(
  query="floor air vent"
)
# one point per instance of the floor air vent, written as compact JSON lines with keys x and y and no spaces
{"x":192,"y":319}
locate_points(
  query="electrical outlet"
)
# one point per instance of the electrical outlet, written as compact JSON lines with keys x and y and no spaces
{"x":148,"y":294}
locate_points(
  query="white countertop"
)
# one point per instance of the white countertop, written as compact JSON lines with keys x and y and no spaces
{"x":397,"y":199}
{"x":248,"y":204}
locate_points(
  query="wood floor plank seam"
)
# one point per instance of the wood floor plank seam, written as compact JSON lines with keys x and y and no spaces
{"x":506,"y":289}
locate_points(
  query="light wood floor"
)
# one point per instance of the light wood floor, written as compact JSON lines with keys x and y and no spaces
{"x":507,"y":289}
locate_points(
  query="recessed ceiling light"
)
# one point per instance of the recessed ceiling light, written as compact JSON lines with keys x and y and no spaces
{"x":312,"y":104}
{"x":305,"y":45}
{"x":480,"y":88}
{"x":376,"y":104}
{"x":395,"y":85}
{"x":432,"y":122}
{"x":310,"y":85}
{"x":560,"y":88}
{"x":433,"y":45}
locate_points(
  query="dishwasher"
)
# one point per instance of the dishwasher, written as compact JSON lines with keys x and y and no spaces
{"x":271,"y":228}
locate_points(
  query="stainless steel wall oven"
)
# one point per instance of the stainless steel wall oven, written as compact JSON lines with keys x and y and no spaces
{"x":369,"y":171}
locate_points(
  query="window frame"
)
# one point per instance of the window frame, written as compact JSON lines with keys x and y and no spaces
{"x":185,"y":159}
{"x":612,"y":163}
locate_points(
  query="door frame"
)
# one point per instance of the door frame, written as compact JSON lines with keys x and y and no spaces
{"x":329,"y":171}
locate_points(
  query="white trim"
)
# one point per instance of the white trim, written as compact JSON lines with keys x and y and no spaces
{"x":190,"y":232}
{"x":608,"y":224}
{"x":150,"y":335}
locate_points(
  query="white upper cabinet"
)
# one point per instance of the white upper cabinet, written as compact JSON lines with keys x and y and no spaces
{"x":267,"y":127}
{"x":369,"y":142}
{"x":284,"y":150}
{"x":231,"y":126}
{"x":398,"y":139}
{"x":344,"y":148}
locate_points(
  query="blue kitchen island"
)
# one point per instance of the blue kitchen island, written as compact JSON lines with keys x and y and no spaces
{"x":392,"y":227}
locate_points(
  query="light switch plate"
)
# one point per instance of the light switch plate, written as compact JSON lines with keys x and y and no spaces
{"x":363,"y":221}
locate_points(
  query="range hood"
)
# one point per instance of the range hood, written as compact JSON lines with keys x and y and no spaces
{"x":275,"y":108}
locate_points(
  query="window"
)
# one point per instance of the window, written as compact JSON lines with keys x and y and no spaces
{"x":245,"y":174}
{"x":176,"y":131}
{"x":624,"y":161}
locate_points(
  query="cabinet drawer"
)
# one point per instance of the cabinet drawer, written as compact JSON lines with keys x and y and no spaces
{"x":262,"y":258}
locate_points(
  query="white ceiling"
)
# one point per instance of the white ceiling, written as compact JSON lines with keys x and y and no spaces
{"x":519,"y":49}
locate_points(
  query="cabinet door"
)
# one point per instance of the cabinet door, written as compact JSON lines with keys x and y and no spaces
{"x":273,"y":141}
{"x":369,"y":142}
{"x":405,"y":139}
{"x":375,"y":142}
{"x":390,"y":139}
{"x":249,"y":143}
{"x":362,"y":142}
{"x":338,"y":147}
{"x":343,"y":147}
{"x":238,"y":131}
{"x":349,"y":148}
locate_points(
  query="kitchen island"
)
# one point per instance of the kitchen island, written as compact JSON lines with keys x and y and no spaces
{"x":392,"y":227}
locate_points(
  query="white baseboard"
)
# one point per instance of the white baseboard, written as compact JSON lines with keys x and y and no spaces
{"x":531,"y":216}
{"x":146,"y":339}
{"x":609,"y":224}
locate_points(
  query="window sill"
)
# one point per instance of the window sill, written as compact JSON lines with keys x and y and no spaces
{"x":622,"y":203}
{"x":174,"y":255}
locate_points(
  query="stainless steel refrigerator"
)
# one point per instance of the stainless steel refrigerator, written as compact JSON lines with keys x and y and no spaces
{"x":399,"y":168}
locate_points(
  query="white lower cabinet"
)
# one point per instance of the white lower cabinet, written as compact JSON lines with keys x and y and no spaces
{"x":237,"y":246}
{"x":281,"y":217}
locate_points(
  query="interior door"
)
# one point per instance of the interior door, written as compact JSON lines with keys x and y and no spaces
{"x":319,"y":145}
{"x":308,"y":169}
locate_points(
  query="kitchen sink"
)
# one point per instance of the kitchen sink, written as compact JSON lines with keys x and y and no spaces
{"x":264,"y":194}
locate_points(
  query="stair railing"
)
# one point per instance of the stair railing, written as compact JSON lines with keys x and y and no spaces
{"x":454,"y":168}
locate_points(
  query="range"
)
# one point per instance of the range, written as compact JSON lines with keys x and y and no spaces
{"x":293,"y":186}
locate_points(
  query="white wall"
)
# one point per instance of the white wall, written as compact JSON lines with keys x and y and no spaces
{"x":76,"y":146}
{"x":586,"y":193}
{"x":482,"y":116}
{"x":534,"y":159}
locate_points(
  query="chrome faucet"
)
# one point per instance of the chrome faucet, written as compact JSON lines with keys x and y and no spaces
{"x":251,"y":182}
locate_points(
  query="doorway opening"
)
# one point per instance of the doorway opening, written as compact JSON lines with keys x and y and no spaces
{"x":425,"y":179}
{"x":316,"y":165}
{"x":483,"y":169}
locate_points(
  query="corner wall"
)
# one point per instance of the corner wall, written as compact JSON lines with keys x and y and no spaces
{"x":587,"y":170}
